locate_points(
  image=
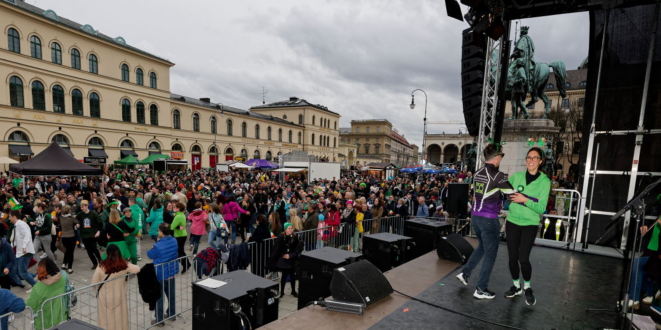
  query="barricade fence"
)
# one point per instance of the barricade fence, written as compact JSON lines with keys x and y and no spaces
{"x":17,"y":321}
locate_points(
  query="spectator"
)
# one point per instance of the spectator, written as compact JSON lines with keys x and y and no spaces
{"x":295,"y":219}
{"x":423,"y":209}
{"x":199,"y":220}
{"x":178,"y":226}
{"x":218,"y":227}
{"x":90,"y":230}
{"x":164,"y":253}
{"x":155,"y":219}
{"x":134,"y":233}
{"x":117,"y":231}
{"x":231,"y":211}
{"x":287,"y":249}
{"x":9,"y":303}
{"x":22,"y":243}
{"x":42,"y":224}
{"x":68,"y":223}
{"x":7,"y":260}
{"x":52,"y":283}
{"x":112,"y":305}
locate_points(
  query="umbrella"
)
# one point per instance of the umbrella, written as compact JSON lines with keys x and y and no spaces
{"x":7,"y":160}
{"x":448,"y":170}
{"x":431,"y":171}
{"x":152,"y":158}
{"x":240,"y":165}
{"x":411,"y":170}
{"x":128,"y":160}
{"x":261,"y":163}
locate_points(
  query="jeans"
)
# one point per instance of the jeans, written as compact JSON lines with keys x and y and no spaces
{"x":214,"y":240}
{"x":640,"y":282}
{"x":487,"y":231}
{"x":22,"y":268}
{"x":233,"y":229}
{"x":195,"y":242}
{"x":169,"y":290}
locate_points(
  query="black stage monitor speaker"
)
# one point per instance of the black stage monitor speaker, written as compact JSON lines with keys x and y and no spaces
{"x":458,"y":199}
{"x":74,"y":324}
{"x":315,"y":271}
{"x":425,"y":233}
{"x":473,"y":55}
{"x":159,"y":165}
{"x":454,"y":247}
{"x":243,"y":298}
{"x":359,"y":282}
{"x":386,"y":250}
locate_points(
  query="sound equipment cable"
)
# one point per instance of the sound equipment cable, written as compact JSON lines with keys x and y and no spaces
{"x":456,"y":312}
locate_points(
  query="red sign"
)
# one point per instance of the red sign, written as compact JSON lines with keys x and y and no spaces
{"x":176,"y":155}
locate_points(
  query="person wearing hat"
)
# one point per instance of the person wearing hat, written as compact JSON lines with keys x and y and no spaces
{"x":134,"y":233}
{"x":288,"y":248}
{"x":489,"y":186}
{"x":117,"y":231}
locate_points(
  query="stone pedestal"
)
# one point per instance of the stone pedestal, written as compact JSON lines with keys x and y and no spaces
{"x":516,"y":134}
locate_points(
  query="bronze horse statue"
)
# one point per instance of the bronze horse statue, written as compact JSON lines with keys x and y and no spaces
{"x":519,"y":85}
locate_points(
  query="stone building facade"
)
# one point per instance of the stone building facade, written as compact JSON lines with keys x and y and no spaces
{"x":377,"y":141}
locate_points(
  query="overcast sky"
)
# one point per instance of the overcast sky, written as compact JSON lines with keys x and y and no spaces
{"x":360,"y":58}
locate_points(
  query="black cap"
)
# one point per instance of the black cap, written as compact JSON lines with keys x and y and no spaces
{"x":492,"y":150}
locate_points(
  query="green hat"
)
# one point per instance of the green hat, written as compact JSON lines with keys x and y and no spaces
{"x":287,"y":225}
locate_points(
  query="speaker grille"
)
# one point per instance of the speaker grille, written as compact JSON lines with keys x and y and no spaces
{"x":359,"y":282}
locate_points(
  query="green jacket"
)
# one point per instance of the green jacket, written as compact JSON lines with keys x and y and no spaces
{"x":179,"y":221}
{"x":54,"y":311}
{"x":133,"y":226}
{"x":45,"y":228}
{"x":138,"y":215}
{"x":530,"y":213}
{"x":89,"y":224}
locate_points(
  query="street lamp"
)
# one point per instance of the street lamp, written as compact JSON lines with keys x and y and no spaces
{"x":424,"y":129}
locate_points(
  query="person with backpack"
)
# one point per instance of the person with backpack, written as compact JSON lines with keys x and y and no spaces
{"x":218,"y":227}
{"x":165,"y":253}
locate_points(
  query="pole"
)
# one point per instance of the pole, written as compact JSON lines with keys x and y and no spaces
{"x":502,"y":81}
{"x":424,"y":127}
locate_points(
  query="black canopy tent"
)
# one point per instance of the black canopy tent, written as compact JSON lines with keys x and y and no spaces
{"x":54,"y":161}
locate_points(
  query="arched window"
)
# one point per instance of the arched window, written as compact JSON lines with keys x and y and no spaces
{"x":126,"y":110}
{"x":153,"y":115}
{"x":291,"y":139}
{"x":196,"y":122}
{"x":214,"y":126}
{"x":300,"y":138}
{"x":300,"y":119}
{"x":256,"y":131}
{"x":75,"y":58}
{"x":35,"y":47}
{"x":154,"y":148}
{"x":13,"y":40}
{"x":196,"y":149}
{"x":61,"y":140}
{"x":127,"y":148}
{"x":314,"y":120}
{"x":244,"y":129}
{"x":56,"y":53}
{"x":334,"y":142}
{"x":95,"y":105}
{"x":279,"y":134}
{"x":312,"y":139}
{"x":244,"y":154}
{"x":125,"y":72}
{"x":140,"y":112}
{"x":152,"y":80}
{"x":38,"y":96}
{"x":77,"y":102}
{"x":176,"y":119}
{"x":268,"y":133}
{"x":58,"y":99}
{"x":139,"y":77}
{"x":177,"y":147}
{"x":19,"y":136}
{"x":126,"y":144}
{"x":95,"y":142}
{"x":256,"y":155}
{"x":93,"y":63}
{"x":268,"y":156}
{"x":213,"y":150}
{"x":229,"y":128}
{"x":16,"y":92}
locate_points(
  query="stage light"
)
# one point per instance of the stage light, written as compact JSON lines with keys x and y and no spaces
{"x":453,"y":10}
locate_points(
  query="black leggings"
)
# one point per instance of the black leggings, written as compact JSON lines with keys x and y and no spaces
{"x":69,"y":247}
{"x":520,"y":240}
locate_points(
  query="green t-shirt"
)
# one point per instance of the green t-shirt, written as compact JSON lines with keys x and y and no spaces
{"x":530,"y":213}
{"x":179,"y":221}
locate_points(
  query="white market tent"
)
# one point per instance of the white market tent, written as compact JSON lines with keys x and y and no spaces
{"x":290,"y":170}
{"x":240,"y":166}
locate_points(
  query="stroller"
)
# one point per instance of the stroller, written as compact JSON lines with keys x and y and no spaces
{"x":209,"y":262}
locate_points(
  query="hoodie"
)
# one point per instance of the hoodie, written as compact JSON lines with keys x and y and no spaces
{"x":198,"y":218}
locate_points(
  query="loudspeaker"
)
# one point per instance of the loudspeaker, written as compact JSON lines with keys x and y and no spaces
{"x":425,"y":233}
{"x":159,"y":165}
{"x":454,"y":247}
{"x":386,"y":250}
{"x":473,"y":55}
{"x":458,"y":199}
{"x":359,"y":282}
{"x":315,"y":271}
{"x":75,"y":324}
{"x":244,"y":297}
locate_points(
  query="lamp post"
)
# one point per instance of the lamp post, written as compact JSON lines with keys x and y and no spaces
{"x":424,"y":129}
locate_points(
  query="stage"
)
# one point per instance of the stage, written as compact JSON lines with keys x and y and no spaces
{"x":565,"y":284}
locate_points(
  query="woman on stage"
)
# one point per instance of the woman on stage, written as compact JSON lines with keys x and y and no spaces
{"x":528,"y":204}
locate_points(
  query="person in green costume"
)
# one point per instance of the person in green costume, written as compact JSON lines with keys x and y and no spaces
{"x":117,"y":231}
{"x":647,"y":267}
{"x":138,"y":215}
{"x":52,"y":283}
{"x":527,"y":206}
{"x":134,"y":234}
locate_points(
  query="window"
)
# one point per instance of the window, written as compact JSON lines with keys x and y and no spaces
{"x":19,"y":136}
{"x":176,"y":119}
{"x":334,"y":142}
{"x":56,"y":53}
{"x":550,"y":86}
{"x":565,"y":104}
{"x":244,"y":129}
{"x":300,"y":119}
{"x":279,"y":134}
{"x":16,"y":92}
{"x":93,"y":63}
{"x":214,"y":127}
{"x":153,"y":115}
{"x":177,"y":147}
{"x":335,"y":125}
{"x":95,"y":142}
{"x":38,"y":97}
{"x":312,"y":139}
{"x":126,"y":110}
{"x":244,"y":154}
{"x":367,"y":149}
{"x":154,"y":148}
{"x":125,"y":72}
{"x":581,"y":102}
{"x":77,"y":102}
{"x":13,"y":40}
{"x":377,"y":148}
{"x":140,"y":112}
{"x":229,"y":128}
{"x":256,"y":155}
{"x":284,"y":117}
{"x":75,"y":59}
{"x":196,"y":122}
{"x":126,"y":144}
{"x":583,"y":83}
{"x":152,"y":80}
{"x":139,"y":77}
{"x":58,"y":99}
{"x":367,"y":129}
{"x":314,"y":120}
{"x":268,"y":133}
{"x":300,"y":138}
{"x":35,"y":47}
{"x":256,"y":131}
{"x":290,"y":137}
{"x":196,"y":149}
{"x":95,"y":105}
{"x":268,"y":156}
{"x":61,"y":140}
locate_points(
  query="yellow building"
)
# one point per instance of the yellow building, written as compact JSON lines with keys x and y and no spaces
{"x":98,"y":96}
{"x":377,"y":141}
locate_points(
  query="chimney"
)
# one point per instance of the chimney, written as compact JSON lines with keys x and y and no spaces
{"x":205,"y":99}
{"x":293,"y":99}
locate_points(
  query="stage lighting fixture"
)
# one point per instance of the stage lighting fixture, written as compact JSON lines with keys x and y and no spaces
{"x":453,"y":9}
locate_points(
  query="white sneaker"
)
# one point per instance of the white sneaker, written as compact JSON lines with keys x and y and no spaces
{"x":463,"y":279}
{"x":648,"y":300}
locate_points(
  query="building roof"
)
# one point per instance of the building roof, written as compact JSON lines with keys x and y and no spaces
{"x":345,"y":130}
{"x":86,"y":28}
{"x":401,"y":139}
{"x":224,"y":108}
{"x":292,"y":103}
{"x":576,"y":79}
{"x":366,"y":121}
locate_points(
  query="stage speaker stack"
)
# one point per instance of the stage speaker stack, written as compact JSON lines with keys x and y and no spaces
{"x":75,"y":324}
{"x":360,"y":283}
{"x":243,"y":299}
{"x":454,"y":247}
{"x":458,"y":200}
{"x":386,"y":250}
{"x":473,"y":55}
{"x":425,"y":233}
{"x":315,"y":271}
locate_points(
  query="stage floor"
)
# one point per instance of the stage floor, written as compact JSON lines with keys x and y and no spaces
{"x":565,"y":285}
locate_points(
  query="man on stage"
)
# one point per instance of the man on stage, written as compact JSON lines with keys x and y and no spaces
{"x":489,"y":184}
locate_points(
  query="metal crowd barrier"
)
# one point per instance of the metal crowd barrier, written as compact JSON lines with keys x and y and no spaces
{"x":17,"y":321}
{"x":561,"y":229}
